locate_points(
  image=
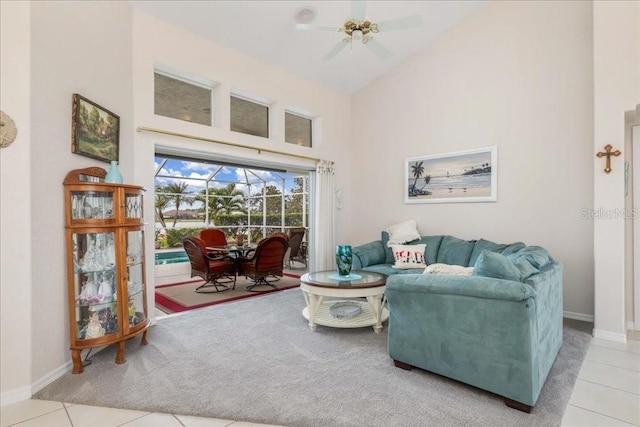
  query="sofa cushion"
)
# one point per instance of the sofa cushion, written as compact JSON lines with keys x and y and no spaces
{"x":485,"y":244}
{"x":492,"y":264}
{"x":370,"y":253}
{"x":403,"y":232}
{"x":388,"y":253}
{"x":524,"y":266}
{"x":408,"y":256}
{"x":455,"y":251}
{"x":513,"y":248}
{"x":388,"y":270}
{"x":537,"y":256}
{"x":433,"y":245}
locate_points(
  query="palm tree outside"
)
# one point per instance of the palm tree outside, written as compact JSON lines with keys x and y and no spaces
{"x":162,"y":202}
{"x":227,"y":200}
{"x":178,"y":194}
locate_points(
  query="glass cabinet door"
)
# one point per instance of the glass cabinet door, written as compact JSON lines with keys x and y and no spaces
{"x":132,"y":206}
{"x":92,"y":205}
{"x":94,"y":273}
{"x":135,"y":278}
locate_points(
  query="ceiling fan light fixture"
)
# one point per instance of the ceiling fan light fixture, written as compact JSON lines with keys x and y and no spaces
{"x":304,"y":15}
{"x":360,"y":28}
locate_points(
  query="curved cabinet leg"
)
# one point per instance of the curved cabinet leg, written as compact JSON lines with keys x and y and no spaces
{"x":120,"y":352}
{"x":143,"y":341}
{"x":76,"y":357}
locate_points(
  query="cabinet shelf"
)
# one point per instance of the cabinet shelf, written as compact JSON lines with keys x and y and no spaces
{"x":133,"y":294}
{"x":98,"y":305}
{"x":105,"y":263}
{"x":99,"y":270}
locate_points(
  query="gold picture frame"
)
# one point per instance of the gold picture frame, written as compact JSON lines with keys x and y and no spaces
{"x":95,"y":130}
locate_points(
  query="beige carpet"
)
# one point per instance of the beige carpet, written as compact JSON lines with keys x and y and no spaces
{"x":255,"y":360}
{"x":178,"y":297}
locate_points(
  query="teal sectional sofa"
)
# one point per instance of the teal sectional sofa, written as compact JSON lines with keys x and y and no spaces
{"x":499,"y":329}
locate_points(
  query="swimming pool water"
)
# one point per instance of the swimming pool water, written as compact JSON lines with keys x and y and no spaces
{"x":172,"y":257}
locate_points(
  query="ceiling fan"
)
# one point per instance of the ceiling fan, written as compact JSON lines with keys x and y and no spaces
{"x":359,"y":28}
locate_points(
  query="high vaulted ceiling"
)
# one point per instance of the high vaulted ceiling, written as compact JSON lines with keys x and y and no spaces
{"x":266,"y":30}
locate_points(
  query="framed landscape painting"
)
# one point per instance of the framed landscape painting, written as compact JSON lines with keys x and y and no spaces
{"x":462,"y":176}
{"x":95,"y":130}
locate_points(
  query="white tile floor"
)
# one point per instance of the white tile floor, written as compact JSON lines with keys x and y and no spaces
{"x":607,"y":391}
{"x":42,"y":413}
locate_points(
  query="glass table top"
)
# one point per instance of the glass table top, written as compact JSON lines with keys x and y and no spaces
{"x":331,"y":279}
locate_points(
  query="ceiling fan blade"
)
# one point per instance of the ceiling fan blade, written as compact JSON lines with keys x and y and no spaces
{"x":376,"y":47}
{"x":316,"y":27}
{"x":336,"y":49}
{"x":357,"y":9}
{"x":412,"y":21}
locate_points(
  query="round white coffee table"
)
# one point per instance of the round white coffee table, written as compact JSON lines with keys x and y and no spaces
{"x":316,"y":286}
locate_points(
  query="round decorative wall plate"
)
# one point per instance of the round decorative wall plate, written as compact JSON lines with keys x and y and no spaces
{"x":8,"y":130}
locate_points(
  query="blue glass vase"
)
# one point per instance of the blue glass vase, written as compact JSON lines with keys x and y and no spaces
{"x":114,"y":175}
{"x":344,"y":259}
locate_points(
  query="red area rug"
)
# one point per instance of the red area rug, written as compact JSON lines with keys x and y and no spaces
{"x":181,"y":296}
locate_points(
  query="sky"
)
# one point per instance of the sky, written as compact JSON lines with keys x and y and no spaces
{"x":195,"y":174}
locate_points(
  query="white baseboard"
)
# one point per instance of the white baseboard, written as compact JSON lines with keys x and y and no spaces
{"x":14,"y":396}
{"x":578,"y":316}
{"x":610,"y":336}
{"x":51,"y":377}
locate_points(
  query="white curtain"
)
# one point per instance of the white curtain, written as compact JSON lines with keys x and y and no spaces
{"x":324,"y":217}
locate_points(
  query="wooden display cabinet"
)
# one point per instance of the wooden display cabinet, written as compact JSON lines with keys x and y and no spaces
{"x":105,"y":263}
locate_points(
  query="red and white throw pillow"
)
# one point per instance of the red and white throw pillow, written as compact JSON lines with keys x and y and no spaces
{"x":409,"y":256}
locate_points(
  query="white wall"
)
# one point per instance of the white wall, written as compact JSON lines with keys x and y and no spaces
{"x":15,"y":205}
{"x":77,"y":47}
{"x":517,"y":75}
{"x":616,"y":53}
{"x":157,"y":42}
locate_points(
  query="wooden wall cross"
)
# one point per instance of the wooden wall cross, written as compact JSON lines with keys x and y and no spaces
{"x":607,"y":152}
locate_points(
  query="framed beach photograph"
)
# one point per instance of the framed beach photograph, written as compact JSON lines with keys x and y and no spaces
{"x":462,"y":176}
{"x":95,"y":130}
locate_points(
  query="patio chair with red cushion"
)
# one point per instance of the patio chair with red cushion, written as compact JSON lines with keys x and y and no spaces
{"x":213,"y":237}
{"x":267,"y":260}
{"x":216,"y":271}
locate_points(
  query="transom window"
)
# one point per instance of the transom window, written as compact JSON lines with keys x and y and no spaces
{"x":249,"y":117}
{"x":297,"y":129}
{"x":181,"y":100}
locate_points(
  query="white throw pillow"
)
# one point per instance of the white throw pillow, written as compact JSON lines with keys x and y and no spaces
{"x":439,"y":268}
{"x":409,"y":256}
{"x":403,"y":232}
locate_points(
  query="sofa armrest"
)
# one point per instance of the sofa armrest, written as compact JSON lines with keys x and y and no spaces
{"x":472,"y":286}
{"x":371,"y":253}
